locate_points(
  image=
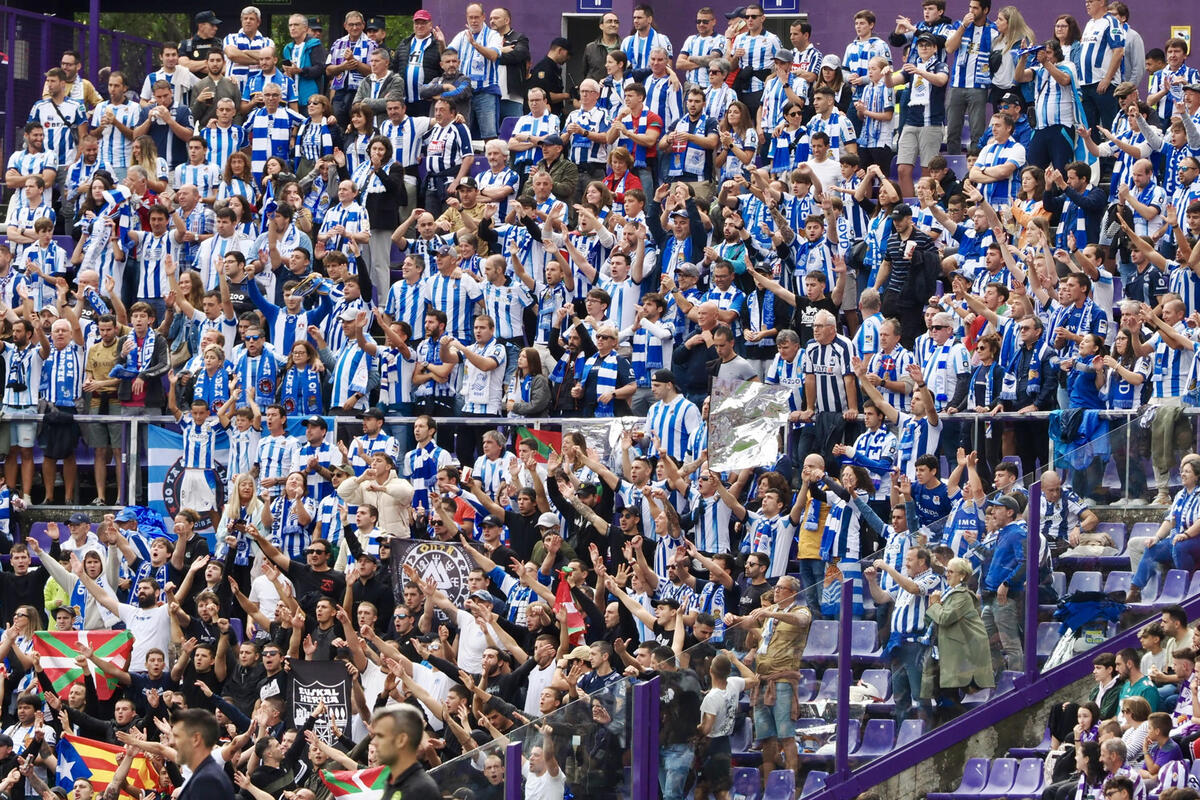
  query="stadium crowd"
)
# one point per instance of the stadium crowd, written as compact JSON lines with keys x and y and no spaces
{"x":730,"y":208}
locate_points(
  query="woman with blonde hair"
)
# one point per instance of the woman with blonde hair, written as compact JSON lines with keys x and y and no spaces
{"x":144,"y":154}
{"x":17,"y":640}
{"x":1015,"y":35}
{"x":964,"y":660}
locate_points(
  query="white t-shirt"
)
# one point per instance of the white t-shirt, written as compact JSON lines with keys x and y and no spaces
{"x":723,"y":704}
{"x":471,"y":643}
{"x":539,"y":678}
{"x":151,"y":628}
{"x":544,"y":786}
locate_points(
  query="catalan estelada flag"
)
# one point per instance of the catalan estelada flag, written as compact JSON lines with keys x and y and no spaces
{"x":96,"y":762}
{"x":58,"y":650}
{"x":548,"y":442}
{"x":364,"y":783}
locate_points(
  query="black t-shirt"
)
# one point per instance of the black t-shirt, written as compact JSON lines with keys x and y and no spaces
{"x":806,"y":312}
{"x":311,"y":586}
{"x":679,"y":692}
{"x":414,"y":784}
{"x":140,"y":685}
{"x":239,"y":295}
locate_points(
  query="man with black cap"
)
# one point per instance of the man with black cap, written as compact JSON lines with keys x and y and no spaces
{"x":673,"y":419}
{"x":1003,"y":585}
{"x":550,"y":74}
{"x":908,"y":247}
{"x":193,"y":52}
{"x":562,"y":171}
{"x":1012,"y":106}
{"x":376,"y":31}
{"x":317,"y":458}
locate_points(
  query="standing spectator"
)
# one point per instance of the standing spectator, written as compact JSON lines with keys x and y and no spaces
{"x":418,"y":60}
{"x":830,"y":389}
{"x":304,"y":60}
{"x":924,"y":121}
{"x":180,"y":80}
{"x":806,"y":58}
{"x":115,"y":122}
{"x":1133,"y":61}
{"x":754,"y":49}
{"x":169,"y":125}
{"x":999,"y":164}
{"x":33,"y":160}
{"x":971,"y":78}
{"x":478,"y":46}
{"x":448,"y":157}
{"x":962,"y":640}
{"x":1102,"y":49}
{"x":513,"y":63}
{"x":347,"y":63}
{"x":1003,"y":584}
{"x":596,"y":52}
{"x":530,"y":131}
{"x":904,"y":250}
{"x":550,"y":75}
{"x":1056,"y":85}
{"x":866,"y":45}
{"x":637,"y":45}
{"x":209,"y":92}
{"x":241,"y":48}
{"x":1166,"y":86}
{"x":700,"y":49}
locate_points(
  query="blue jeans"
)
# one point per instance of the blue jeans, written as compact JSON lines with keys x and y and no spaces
{"x":511,"y":352}
{"x":1186,"y":554}
{"x":1157,"y":553}
{"x":1051,"y":145}
{"x":485,"y":114}
{"x":510,"y":108}
{"x":1099,"y":108}
{"x":675,"y":762}
{"x":775,"y":722}
{"x":906,"y":677}
{"x":812,"y":574}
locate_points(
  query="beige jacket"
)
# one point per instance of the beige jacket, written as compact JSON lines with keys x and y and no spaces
{"x":394,"y":501}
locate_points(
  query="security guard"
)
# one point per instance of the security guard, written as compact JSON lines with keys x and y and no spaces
{"x":550,"y":74}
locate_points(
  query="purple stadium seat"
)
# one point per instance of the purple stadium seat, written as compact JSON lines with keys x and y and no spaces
{"x":1143,"y":529}
{"x":977,"y":698}
{"x":1173,"y":589}
{"x":38,"y":531}
{"x":957,"y":165}
{"x":813,"y":783}
{"x":1047,"y":637}
{"x":827,"y":751}
{"x":1000,"y":778}
{"x":1007,"y":681}
{"x":974,"y":778}
{"x":747,"y":783}
{"x":506,"y":127}
{"x":822,"y":642}
{"x":1194,"y":584}
{"x":864,"y":642}
{"x":1116,"y":530}
{"x":807,"y":685}
{"x":829,"y":681}
{"x":238,"y":629}
{"x":1038,"y":752}
{"x":1058,"y":581}
{"x":1029,"y":782}
{"x":739,"y":744}
{"x":881,"y":679}
{"x":1118,"y":581}
{"x":781,"y":785}
{"x":910,"y":731}
{"x":878,"y":739}
{"x":1084,"y":581}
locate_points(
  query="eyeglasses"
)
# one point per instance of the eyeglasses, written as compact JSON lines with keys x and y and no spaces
{"x":702,"y":21}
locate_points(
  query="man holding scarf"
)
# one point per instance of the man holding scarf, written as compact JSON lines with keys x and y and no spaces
{"x":144,"y":362}
{"x":606,"y":381}
{"x":257,"y":368}
{"x":62,"y":354}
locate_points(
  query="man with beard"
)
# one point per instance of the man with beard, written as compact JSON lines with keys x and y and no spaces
{"x":148,"y":621}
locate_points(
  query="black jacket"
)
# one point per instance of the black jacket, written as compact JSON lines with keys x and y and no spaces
{"x":431,"y":62}
{"x":151,"y":375}
{"x":517,"y":62}
{"x":208,"y":781}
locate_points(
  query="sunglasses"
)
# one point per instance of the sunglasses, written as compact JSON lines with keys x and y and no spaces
{"x":793,"y":114}
{"x":251,"y":338}
{"x":939,"y":327}
{"x":315,"y":551}
{"x":754,"y":16}
{"x":605,"y":336}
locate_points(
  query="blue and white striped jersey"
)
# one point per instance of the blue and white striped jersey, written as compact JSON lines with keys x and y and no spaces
{"x":908,"y":612}
{"x":700,"y":46}
{"x":859,"y":54}
{"x":353,"y":217}
{"x":483,"y":72}
{"x":490,"y":179}
{"x":759,"y":53}
{"x":506,"y":305}
{"x":406,"y":137}
{"x":1172,"y":368}
{"x":1100,"y":38}
{"x":775,"y":536}
{"x":972,"y":69}
{"x":717,"y":100}
{"x":837,"y":127}
{"x":664,"y":99}
{"x":351,"y":373}
{"x":243,"y":450}
{"x":276,"y":458}
{"x":1002,"y":193}
{"x":448,"y":146}
{"x":530,"y":125}
{"x":395,"y":375}
{"x":204,"y":177}
{"x":481,"y":389}
{"x":1054,"y":102}
{"x":287,"y":533}
{"x":637,"y":48}
{"x":711,"y":518}
{"x":116,"y":147}
{"x":877,"y":97}
{"x":580,"y":149}
{"x":257,"y":80}
{"x":239,"y":72}
{"x":892,"y":366}
{"x":404,"y":303}
{"x":455,"y":297}
{"x":22,"y":367}
{"x":1164,"y":78}
{"x":651,"y":348}
{"x":222,"y":143}
{"x":674,"y":422}
{"x":782,"y":372}
{"x":152,"y":254}
{"x":199,"y":441}
{"x":829,"y":364}
{"x":493,"y":472}
{"x":775,"y":99}
{"x":914,"y":438}
{"x":420,"y":468}
{"x":271,"y":135}
{"x":63,"y":374}
{"x":414,"y":70}
{"x":60,"y":124}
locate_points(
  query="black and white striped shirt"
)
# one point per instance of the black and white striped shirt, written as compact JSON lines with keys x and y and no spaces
{"x":829,"y":364}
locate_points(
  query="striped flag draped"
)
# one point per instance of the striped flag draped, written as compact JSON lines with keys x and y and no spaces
{"x":96,"y":762}
{"x":59,"y":648}
{"x":365,"y":783}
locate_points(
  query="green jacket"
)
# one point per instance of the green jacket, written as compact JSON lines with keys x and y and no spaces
{"x":962,"y":642}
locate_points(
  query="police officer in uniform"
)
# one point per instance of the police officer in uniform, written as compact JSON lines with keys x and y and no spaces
{"x":193,"y":52}
{"x":550,"y":74}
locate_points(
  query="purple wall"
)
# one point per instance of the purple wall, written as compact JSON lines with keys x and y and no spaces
{"x":832,"y":23}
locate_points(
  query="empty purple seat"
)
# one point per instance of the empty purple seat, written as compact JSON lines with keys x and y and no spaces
{"x":781,"y":785}
{"x":1084,"y":581}
{"x":1143,"y":529}
{"x":1047,"y":637}
{"x":747,"y":783}
{"x":813,"y":783}
{"x":1029,"y":782}
{"x":1007,"y":681}
{"x":975,"y":773}
{"x":881,"y":679}
{"x":1038,"y":752}
{"x":807,"y":685}
{"x":1118,"y":581}
{"x":864,"y":642}
{"x":739,"y":744}
{"x":822,"y":642}
{"x":910,"y":731}
{"x":1000,"y":778}
{"x":879,"y":737}
{"x":958,"y":165}
{"x":829,"y":681}
{"x":1172,"y":589}
{"x":1194,"y":584}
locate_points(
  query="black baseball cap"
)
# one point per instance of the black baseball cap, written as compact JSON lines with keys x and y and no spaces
{"x":316,"y":420}
{"x":206,"y":16}
{"x":901,"y":211}
{"x":373,"y":413}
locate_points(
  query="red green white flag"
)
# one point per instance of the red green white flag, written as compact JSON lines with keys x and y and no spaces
{"x":365,"y":783}
{"x":548,"y":442}
{"x":58,"y":651}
